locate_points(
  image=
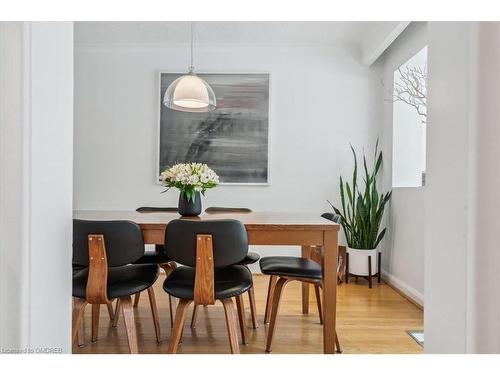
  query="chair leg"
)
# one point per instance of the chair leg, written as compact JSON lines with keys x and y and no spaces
{"x":168,"y":268}
{"x":379,"y":267}
{"x":78,"y":309}
{"x":253,"y":308}
{"x":337,"y":343}
{"x":241,"y":318}
{"x":269,"y":303}
{"x":96,"y":308}
{"x":81,"y":331}
{"x":171,"y":307}
{"x":136,"y":299}
{"x":305,"y":298}
{"x":318,"y":302}
{"x":180,"y":317}
{"x":346,"y":268}
{"x":274,"y":314}
{"x":81,"y":334}
{"x":128,"y":315}
{"x":117,"y":313}
{"x":370,"y":271}
{"x":111,"y":313}
{"x":195,"y":316}
{"x":154,"y":311}
{"x":231,"y":325}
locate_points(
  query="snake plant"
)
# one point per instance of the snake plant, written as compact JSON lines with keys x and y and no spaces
{"x":362,"y":205}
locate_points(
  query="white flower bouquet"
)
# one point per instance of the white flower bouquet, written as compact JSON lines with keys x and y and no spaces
{"x":189,"y":178}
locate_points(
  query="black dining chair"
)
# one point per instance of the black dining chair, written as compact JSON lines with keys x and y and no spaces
{"x":251,"y":258}
{"x":106,"y":249}
{"x":282,"y":270}
{"x":209,"y":253}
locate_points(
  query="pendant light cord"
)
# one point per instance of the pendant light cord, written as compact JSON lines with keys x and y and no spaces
{"x":191,"y":67}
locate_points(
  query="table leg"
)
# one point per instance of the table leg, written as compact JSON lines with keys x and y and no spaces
{"x":306,"y":253}
{"x":330,"y":250}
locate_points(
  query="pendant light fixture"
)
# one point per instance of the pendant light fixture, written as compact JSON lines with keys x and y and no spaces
{"x":190,"y":93}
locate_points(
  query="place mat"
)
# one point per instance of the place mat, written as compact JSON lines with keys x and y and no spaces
{"x":156,"y":209}
{"x":217,"y":210}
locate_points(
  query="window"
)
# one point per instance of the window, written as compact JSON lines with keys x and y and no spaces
{"x":409,"y":122}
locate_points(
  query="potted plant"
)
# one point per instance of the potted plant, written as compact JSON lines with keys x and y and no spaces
{"x":190,"y":179}
{"x":362,"y":211}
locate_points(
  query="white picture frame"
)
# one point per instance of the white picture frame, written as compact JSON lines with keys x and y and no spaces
{"x":208,"y":73}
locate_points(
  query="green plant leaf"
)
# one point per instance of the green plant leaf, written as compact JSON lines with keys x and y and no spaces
{"x":349,"y":193}
{"x":378,"y":164}
{"x":367,"y":175}
{"x":379,"y":238}
{"x":342,"y":197}
{"x":354,"y":179}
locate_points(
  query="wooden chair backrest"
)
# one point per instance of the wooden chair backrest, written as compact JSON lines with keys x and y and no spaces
{"x":204,"y":271}
{"x":97,"y":282}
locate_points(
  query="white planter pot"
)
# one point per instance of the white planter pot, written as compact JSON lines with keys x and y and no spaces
{"x":358,"y":261}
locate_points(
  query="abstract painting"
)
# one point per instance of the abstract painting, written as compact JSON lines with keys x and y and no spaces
{"x":232,"y":139}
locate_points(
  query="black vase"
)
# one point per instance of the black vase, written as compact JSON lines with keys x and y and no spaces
{"x":188,"y":207}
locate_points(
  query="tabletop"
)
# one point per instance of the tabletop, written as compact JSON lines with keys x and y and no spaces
{"x":251,"y":220}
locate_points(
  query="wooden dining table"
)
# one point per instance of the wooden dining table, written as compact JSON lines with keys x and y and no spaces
{"x":263,"y":228}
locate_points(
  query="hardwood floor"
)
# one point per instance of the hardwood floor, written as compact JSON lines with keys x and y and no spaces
{"x":368,"y":321}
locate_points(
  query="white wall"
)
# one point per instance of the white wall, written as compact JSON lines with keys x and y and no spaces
{"x":321,"y":99}
{"x":462,"y":261}
{"x":403,"y":257}
{"x":36,"y":189}
{"x":51,"y":165}
{"x":13,"y":289}
{"x":447,"y":203}
{"x":484,"y":293}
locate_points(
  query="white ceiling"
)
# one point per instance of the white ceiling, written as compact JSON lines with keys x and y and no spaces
{"x":313,"y":33}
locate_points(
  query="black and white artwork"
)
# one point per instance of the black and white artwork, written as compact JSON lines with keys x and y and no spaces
{"x":232,"y":140}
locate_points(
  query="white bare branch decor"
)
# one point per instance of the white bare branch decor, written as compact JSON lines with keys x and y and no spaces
{"x":411,"y":88}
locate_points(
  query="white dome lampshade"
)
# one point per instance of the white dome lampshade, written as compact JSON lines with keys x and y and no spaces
{"x":190,"y":93}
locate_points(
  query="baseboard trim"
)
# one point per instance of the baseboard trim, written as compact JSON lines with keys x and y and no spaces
{"x":411,"y":294}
